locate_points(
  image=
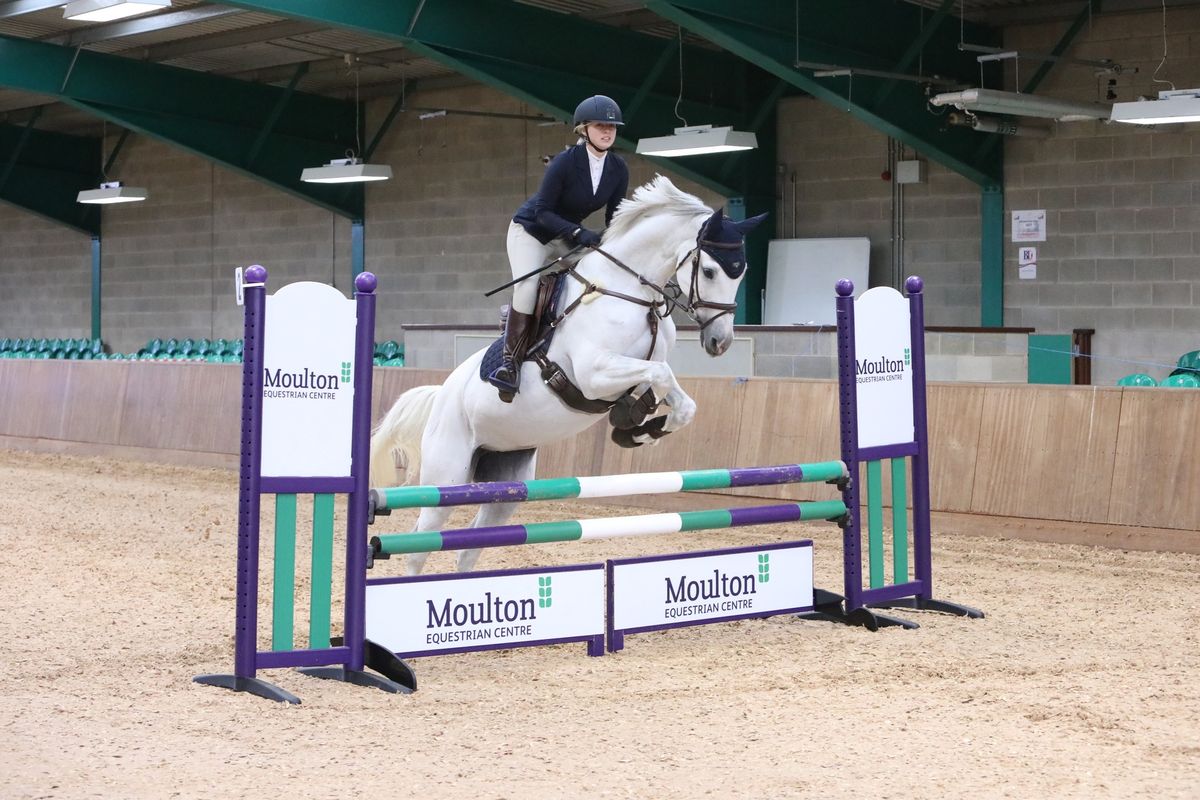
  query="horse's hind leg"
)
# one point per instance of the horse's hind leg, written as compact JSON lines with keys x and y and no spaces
{"x":438,"y":468}
{"x":514,"y":466}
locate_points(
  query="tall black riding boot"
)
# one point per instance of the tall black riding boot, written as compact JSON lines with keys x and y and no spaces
{"x":518,"y":335}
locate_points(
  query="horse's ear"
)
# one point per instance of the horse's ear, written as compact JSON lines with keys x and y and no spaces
{"x":747,"y":225}
{"x":712,"y":225}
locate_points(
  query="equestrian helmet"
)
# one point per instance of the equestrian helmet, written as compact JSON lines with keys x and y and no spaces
{"x":598,"y":108}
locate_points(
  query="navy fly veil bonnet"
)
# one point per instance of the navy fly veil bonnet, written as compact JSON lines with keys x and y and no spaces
{"x":725,"y":241}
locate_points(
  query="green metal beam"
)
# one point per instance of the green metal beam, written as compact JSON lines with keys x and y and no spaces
{"x":190,"y":110}
{"x":44,"y":172}
{"x":551,"y":60}
{"x":763,"y":34}
{"x":280,"y":104}
{"x":928,"y":29}
{"x":991,"y":257}
{"x":1085,"y":15}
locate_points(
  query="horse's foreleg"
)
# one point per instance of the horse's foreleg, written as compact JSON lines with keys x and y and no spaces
{"x":682,"y":407}
{"x":612,"y":373}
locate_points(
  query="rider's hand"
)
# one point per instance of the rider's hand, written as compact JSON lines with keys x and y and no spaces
{"x":585,"y":238}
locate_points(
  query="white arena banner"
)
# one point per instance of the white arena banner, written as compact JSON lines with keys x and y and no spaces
{"x":308,"y":382}
{"x":659,"y":592}
{"x":439,"y":614}
{"x":883,"y":368}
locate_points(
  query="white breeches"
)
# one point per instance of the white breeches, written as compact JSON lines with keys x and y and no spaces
{"x":524,"y":254}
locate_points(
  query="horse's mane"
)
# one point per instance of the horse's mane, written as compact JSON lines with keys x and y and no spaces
{"x":659,"y":196}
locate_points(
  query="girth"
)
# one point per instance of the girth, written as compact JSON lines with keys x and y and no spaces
{"x":552,"y":374}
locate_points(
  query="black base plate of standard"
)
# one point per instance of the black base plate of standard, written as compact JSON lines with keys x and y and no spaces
{"x":924,"y":604}
{"x":399,"y":677}
{"x":828,"y":607}
{"x":255,"y":686}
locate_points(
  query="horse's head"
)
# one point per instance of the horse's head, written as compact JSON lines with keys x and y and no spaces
{"x":712,"y":269}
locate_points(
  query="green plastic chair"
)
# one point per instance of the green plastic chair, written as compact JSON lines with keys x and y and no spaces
{"x":1137,"y":379}
{"x":394,"y":362}
{"x":1185,"y":380}
{"x":1188,"y":364}
{"x":235,"y":348}
{"x":387,"y":349}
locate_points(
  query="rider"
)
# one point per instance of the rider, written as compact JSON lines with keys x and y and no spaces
{"x":578,"y":181}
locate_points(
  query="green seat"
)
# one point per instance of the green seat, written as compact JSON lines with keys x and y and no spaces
{"x":1137,"y":379}
{"x":1188,"y":364}
{"x":394,"y":362}
{"x":387,"y":349}
{"x":170,"y":347}
{"x":235,"y":348}
{"x":153,"y":347}
{"x":187,"y":346}
{"x":203,"y":347}
{"x":1182,"y":380}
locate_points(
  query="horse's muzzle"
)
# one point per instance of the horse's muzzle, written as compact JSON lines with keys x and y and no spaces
{"x":716,"y":344}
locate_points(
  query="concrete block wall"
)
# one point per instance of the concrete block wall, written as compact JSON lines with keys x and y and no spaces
{"x":1122,"y":253}
{"x":835,"y":164}
{"x":45,"y":278}
{"x":167,"y":263}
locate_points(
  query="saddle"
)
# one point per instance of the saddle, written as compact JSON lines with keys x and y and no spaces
{"x":626,"y":414}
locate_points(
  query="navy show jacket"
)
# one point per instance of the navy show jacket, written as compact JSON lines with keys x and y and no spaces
{"x":565,"y":196}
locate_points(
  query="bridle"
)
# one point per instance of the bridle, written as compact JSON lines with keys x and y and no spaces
{"x":672,"y":294}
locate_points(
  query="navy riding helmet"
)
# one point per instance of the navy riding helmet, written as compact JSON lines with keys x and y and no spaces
{"x":598,"y":108}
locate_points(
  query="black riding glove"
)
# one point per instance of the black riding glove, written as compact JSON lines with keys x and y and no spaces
{"x":585,"y":238}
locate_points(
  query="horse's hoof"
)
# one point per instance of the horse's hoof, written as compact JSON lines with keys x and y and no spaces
{"x":624,"y":438}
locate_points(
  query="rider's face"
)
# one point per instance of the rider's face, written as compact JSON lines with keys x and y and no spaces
{"x":601,"y":135}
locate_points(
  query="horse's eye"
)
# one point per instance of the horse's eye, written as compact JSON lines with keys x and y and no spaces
{"x":709,"y":273}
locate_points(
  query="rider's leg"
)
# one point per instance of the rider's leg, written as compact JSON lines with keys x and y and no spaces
{"x":524,"y":253}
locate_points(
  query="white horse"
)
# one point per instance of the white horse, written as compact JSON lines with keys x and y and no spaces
{"x":615,"y":337}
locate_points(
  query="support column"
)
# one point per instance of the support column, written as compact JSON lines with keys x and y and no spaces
{"x":357,"y":249}
{"x":96,"y":289}
{"x":991,"y":257}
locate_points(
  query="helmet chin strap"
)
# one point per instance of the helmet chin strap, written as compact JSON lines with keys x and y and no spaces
{"x":587,"y":135}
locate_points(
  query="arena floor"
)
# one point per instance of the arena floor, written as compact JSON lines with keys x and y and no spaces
{"x":1082,"y":682}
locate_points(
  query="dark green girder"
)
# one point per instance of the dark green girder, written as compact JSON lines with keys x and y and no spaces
{"x":42,"y":172}
{"x":553,"y":60}
{"x":864,"y":34}
{"x":258,"y":130}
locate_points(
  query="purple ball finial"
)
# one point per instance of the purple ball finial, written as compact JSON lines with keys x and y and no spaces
{"x":365,"y":283}
{"x":914,"y":284}
{"x":255,"y":273}
{"x":844,"y":287}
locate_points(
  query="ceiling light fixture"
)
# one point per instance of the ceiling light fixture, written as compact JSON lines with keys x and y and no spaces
{"x":695,"y":140}
{"x":1173,"y":105}
{"x":111,"y":192}
{"x":346,"y":170}
{"x":1176,"y":105}
{"x":1021,"y":105}
{"x":350,"y":169}
{"x":108,"y":10}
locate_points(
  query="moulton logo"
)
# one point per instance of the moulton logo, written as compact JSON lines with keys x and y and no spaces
{"x":306,"y":384}
{"x":882,"y":368}
{"x":719,"y":586}
{"x":491,"y":609}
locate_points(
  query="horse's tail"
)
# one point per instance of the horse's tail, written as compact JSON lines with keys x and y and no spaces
{"x":398,"y":437}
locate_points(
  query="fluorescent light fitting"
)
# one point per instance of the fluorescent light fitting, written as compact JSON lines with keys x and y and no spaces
{"x":346,"y":170}
{"x":111,"y":192}
{"x":108,"y":10}
{"x":1021,"y":105}
{"x":697,"y":140}
{"x":1178,"y":105}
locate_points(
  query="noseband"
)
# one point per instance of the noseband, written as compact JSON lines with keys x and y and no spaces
{"x":694,"y":300}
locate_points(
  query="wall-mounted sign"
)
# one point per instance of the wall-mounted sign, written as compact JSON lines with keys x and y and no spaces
{"x":1029,"y":226}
